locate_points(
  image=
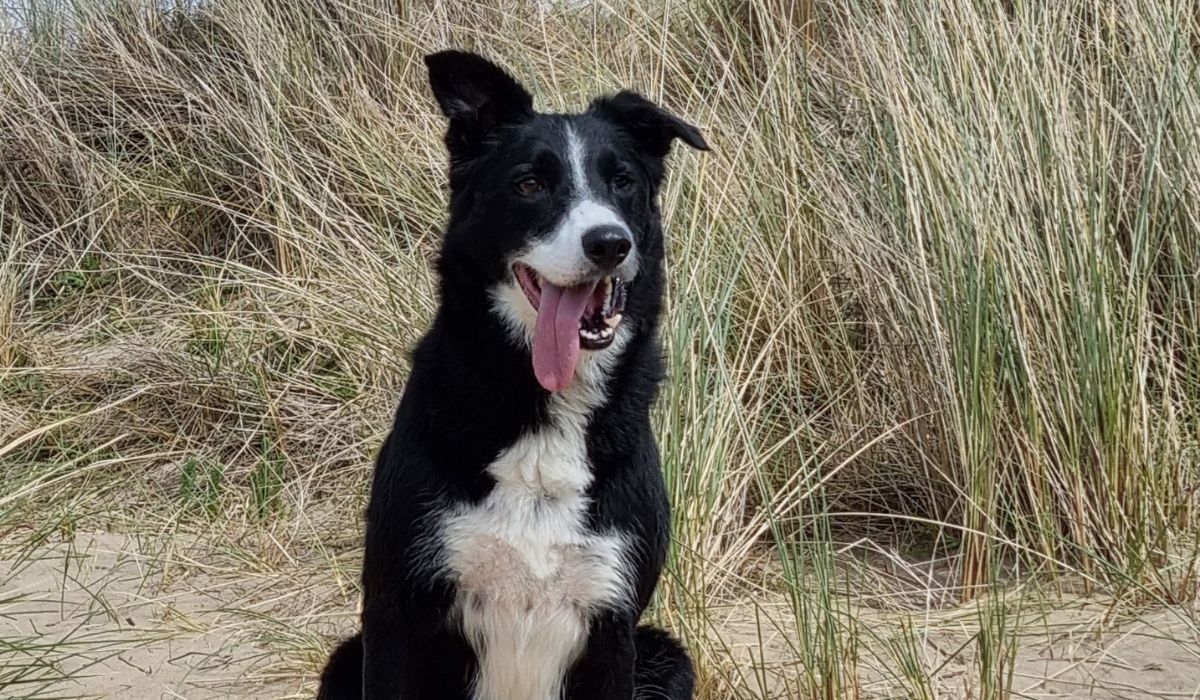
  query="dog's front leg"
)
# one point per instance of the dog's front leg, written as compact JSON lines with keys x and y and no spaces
{"x":605,"y":671}
{"x":408,"y":651}
{"x":390,"y":667}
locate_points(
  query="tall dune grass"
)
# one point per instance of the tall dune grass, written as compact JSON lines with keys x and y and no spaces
{"x":935,"y":293}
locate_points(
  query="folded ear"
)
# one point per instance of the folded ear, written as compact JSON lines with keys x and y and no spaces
{"x":476,"y":96}
{"x":651,"y":126}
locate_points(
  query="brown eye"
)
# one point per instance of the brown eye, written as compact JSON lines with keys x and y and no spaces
{"x":621,"y":181}
{"x":527,"y":187}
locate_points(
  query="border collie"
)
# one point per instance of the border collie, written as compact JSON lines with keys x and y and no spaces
{"x":518,"y":519}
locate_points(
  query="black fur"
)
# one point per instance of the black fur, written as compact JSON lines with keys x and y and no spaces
{"x":472,"y":393}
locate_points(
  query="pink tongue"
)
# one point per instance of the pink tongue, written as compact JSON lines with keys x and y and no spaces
{"x":556,"y":334}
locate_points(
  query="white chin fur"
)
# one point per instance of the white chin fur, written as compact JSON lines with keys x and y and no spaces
{"x":511,"y":305}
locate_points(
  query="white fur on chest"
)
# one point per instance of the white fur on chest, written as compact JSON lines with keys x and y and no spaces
{"x":528,"y":571}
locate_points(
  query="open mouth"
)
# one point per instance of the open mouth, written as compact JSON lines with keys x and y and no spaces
{"x":569,"y":318}
{"x":601,"y":313}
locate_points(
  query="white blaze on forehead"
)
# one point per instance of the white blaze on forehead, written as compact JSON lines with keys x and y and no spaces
{"x":560,"y":258}
{"x":577,"y":156}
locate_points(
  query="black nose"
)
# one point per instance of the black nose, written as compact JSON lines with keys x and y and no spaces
{"x":607,"y":246}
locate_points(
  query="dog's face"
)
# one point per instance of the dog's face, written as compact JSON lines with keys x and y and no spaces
{"x":558,"y":212}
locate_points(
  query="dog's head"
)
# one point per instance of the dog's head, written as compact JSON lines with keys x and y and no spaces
{"x":557,"y":212}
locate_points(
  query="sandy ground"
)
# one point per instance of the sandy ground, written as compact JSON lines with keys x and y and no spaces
{"x":113,"y":619}
{"x":1068,"y":651}
{"x":125,"y":621}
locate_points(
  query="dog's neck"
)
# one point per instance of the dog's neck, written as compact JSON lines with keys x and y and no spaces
{"x":474,"y":385}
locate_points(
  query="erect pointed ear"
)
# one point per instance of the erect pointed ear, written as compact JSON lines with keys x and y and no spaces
{"x":476,"y":96}
{"x":651,"y":126}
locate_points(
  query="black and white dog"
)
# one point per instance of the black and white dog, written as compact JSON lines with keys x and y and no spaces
{"x":518,"y":520}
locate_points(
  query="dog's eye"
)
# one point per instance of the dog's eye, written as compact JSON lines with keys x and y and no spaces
{"x":621,"y":181}
{"x":529,"y":186}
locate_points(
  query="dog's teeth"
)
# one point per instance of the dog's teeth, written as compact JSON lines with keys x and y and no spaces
{"x":612,"y":321}
{"x":598,"y":335}
{"x":607,"y":305}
